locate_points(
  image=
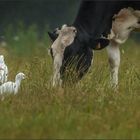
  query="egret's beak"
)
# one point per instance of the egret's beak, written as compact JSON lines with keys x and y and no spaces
{"x":25,"y":77}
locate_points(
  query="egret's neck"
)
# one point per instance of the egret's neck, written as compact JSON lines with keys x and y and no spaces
{"x":17,"y":82}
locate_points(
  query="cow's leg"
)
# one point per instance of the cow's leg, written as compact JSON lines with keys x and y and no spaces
{"x":55,"y":78}
{"x":114,"y":61}
{"x":57,"y":65}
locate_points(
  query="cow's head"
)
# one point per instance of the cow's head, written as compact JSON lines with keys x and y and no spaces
{"x":67,"y":34}
{"x":53,"y":35}
{"x":77,"y":58}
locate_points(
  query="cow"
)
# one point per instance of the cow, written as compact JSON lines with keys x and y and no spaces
{"x":93,"y":23}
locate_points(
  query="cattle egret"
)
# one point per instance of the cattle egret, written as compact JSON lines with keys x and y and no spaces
{"x":12,"y":87}
{"x":3,"y":70}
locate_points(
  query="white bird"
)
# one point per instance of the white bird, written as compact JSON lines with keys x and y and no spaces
{"x":12,"y":87}
{"x":3,"y":70}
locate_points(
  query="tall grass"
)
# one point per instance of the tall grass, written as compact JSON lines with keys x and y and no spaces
{"x":90,"y":109}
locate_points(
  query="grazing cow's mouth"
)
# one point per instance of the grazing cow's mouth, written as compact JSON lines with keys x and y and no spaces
{"x":101,"y":43}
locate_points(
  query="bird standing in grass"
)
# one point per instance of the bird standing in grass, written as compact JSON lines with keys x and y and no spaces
{"x":12,"y":87}
{"x":3,"y":70}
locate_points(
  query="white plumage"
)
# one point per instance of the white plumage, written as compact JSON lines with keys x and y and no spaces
{"x":12,"y":87}
{"x":3,"y":70}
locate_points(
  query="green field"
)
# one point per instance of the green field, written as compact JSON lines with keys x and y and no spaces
{"x":90,"y":109}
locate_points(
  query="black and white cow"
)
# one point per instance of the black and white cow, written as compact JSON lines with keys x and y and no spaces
{"x":94,"y":22}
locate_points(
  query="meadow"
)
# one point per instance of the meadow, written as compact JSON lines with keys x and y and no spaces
{"x":90,"y":109}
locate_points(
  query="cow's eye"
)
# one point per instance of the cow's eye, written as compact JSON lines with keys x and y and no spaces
{"x":74,"y":30}
{"x":138,"y":22}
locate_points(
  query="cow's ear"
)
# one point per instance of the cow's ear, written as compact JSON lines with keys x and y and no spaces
{"x":52,"y":36}
{"x":102,"y":43}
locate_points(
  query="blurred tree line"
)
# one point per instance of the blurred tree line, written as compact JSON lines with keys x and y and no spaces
{"x":52,"y":13}
{"x":40,"y":12}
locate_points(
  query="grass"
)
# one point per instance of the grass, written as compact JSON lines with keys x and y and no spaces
{"x":88,"y":110}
